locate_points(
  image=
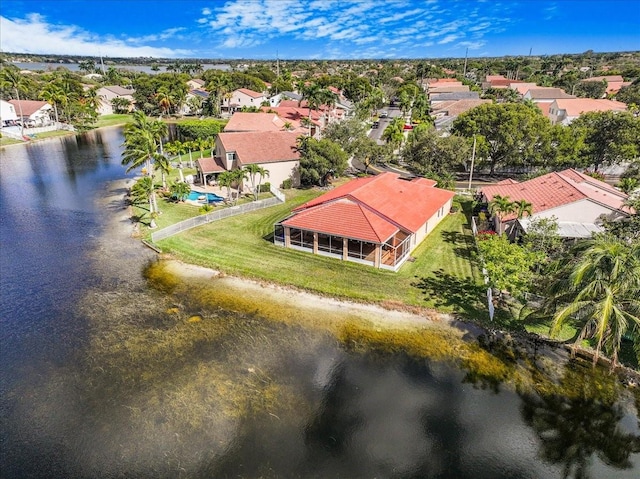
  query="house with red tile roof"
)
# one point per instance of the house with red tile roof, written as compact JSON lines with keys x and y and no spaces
{"x":573,"y":198}
{"x":108,"y":93}
{"x":377,"y":220}
{"x":244,"y":121}
{"x":34,"y":112}
{"x":243,"y":97}
{"x":614,"y":83}
{"x":545,"y":94}
{"x":565,"y":110}
{"x":275,"y":151}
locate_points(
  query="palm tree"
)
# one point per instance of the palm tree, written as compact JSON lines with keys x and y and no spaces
{"x":239,"y":177}
{"x":144,"y":190}
{"x":500,"y":206}
{"x":226,"y":179}
{"x":164,"y":165}
{"x":521,"y":207}
{"x":53,"y":94}
{"x":180,"y":190}
{"x":599,"y":290}
{"x":254,"y":170}
{"x":143,"y":140}
{"x":11,"y":77}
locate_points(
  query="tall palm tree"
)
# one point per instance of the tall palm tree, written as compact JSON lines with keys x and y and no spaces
{"x":225,"y":179}
{"x":144,"y":190}
{"x":143,"y":142}
{"x":500,"y":206}
{"x":521,"y":207}
{"x":599,"y":290}
{"x":239,"y":177}
{"x":180,"y":190}
{"x":254,"y":170}
{"x":52,"y":94}
{"x":11,"y":77}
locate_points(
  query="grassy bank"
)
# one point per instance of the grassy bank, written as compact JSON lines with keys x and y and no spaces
{"x":442,"y":276}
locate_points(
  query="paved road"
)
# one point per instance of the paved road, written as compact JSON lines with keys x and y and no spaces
{"x":376,"y":133}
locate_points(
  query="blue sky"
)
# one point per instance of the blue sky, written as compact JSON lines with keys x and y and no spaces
{"x":317,"y":29}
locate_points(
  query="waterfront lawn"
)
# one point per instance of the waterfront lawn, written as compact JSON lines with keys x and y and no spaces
{"x":112,"y":120}
{"x":442,"y":276}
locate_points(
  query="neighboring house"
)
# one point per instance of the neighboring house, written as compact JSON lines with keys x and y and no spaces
{"x":108,"y":93}
{"x":436,"y":98}
{"x":377,"y":221}
{"x":564,"y":111}
{"x":447,"y":88}
{"x":243,"y":97}
{"x":523,"y":88}
{"x":196,"y":84}
{"x":576,"y":200}
{"x":241,"y":121}
{"x":447,"y":111}
{"x":545,"y":94}
{"x":8,"y":115}
{"x":275,"y":151}
{"x":614,"y":83}
{"x":33,"y":112}
{"x":499,"y":81}
{"x":202,"y":95}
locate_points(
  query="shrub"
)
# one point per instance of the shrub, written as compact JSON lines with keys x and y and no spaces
{"x":287,"y":184}
{"x":194,"y":129}
{"x":265,"y":187}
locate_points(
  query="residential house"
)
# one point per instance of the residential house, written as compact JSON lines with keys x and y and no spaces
{"x":243,"y":97}
{"x":541,"y":94}
{"x":188,"y":107}
{"x":499,"y":81}
{"x":108,"y":93}
{"x":8,"y":115}
{"x":275,"y":151}
{"x":577,"y":201}
{"x":436,"y":98}
{"x":614,"y":83}
{"x":33,"y":112}
{"x":564,"y":111}
{"x":377,"y":220}
{"x":244,"y":121}
{"x":447,"y":111}
{"x":196,"y":84}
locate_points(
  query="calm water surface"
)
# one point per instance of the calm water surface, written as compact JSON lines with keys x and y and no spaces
{"x":104,"y":376}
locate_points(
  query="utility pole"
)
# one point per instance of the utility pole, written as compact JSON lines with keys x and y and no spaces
{"x":473,"y":158}
{"x":466,"y":55}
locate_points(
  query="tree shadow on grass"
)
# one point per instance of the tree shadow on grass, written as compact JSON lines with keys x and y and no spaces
{"x":444,"y":290}
{"x":461,"y":243}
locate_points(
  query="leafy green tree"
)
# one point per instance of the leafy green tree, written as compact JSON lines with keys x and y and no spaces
{"x":11,"y":77}
{"x":597,"y":289}
{"x":195,"y":129}
{"x":52,"y":94}
{"x":591,"y":89}
{"x":507,"y":134}
{"x":317,"y":157}
{"x":394,"y":132}
{"x":427,"y":152}
{"x":121,"y":104}
{"x":509,"y":265}
{"x":630,"y":94}
{"x":610,"y":138}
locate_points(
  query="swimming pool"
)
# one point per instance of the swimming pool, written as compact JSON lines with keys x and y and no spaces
{"x":198,"y":196}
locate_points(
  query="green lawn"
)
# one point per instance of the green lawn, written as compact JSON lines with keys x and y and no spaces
{"x":441,"y":277}
{"x":112,"y":120}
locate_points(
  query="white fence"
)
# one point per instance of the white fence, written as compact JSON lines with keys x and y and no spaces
{"x":215,"y":215}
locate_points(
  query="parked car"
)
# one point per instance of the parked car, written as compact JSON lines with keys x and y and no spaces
{"x":376,"y":124}
{"x":384,"y":114}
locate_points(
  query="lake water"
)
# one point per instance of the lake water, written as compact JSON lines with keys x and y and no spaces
{"x":111,"y":367}
{"x":74,"y":67}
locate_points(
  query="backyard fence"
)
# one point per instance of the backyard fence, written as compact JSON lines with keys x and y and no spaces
{"x":215,"y":215}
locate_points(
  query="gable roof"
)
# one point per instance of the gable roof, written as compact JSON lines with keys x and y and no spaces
{"x":251,"y":93}
{"x":210,"y":165}
{"x":557,"y":189}
{"x":456,"y":107}
{"x":576,"y":106}
{"x":547,"y":93}
{"x":242,"y":121}
{"x":397,"y":203}
{"x":118,"y":90}
{"x":28,"y":107}
{"x":261,"y":146}
{"x":450,"y":96}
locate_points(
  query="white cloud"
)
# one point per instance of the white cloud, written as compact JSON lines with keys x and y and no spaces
{"x":448,"y":39}
{"x":206,"y":11}
{"x":35,"y":35}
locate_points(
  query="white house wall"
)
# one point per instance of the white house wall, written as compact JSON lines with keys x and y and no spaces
{"x":279,"y":172}
{"x":7,"y":111}
{"x":584,"y":211}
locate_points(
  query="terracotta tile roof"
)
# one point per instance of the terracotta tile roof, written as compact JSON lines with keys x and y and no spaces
{"x":458,"y":107}
{"x":210,"y":165}
{"x":251,"y":93}
{"x":261,"y":146}
{"x":448,"y":89}
{"x":557,"y":189}
{"x":344,"y":217}
{"x":407,"y":204}
{"x":544,"y":107}
{"x":608,"y":78}
{"x":498,"y":82}
{"x":523,"y":88}
{"x":577,"y":106}
{"x":547,"y":93}
{"x":242,"y":121}
{"x":29,"y":107}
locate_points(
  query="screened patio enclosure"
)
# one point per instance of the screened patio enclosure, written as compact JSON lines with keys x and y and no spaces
{"x":390,"y":254}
